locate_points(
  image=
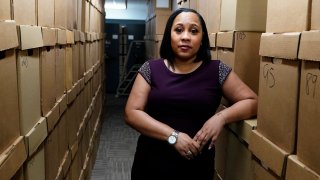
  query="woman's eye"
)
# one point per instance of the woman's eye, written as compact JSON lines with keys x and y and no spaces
{"x":194,"y":31}
{"x":178,"y":30}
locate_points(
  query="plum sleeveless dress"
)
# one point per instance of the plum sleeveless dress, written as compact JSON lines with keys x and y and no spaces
{"x":184,"y":102}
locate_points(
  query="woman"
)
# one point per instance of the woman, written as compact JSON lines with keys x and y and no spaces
{"x":173,"y":103}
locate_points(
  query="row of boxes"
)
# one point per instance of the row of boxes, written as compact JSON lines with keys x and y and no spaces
{"x":44,"y":78}
{"x":287,"y":110}
{"x":72,"y":14}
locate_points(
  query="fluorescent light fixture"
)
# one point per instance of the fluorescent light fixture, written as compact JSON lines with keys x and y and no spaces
{"x":115,"y":4}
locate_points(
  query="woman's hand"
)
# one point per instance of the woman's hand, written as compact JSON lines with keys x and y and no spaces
{"x":210,"y":131}
{"x":186,"y":146}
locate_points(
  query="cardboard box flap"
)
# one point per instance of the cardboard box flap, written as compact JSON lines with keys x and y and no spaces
{"x":283,"y":45}
{"x":70,"y":37}
{"x":9,"y":35}
{"x":225,"y":39}
{"x":82,"y":37}
{"x":12,"y":159}
{"x":87,"y":36}
{"x":297,"y":170}
{"x":76,"y":35}
{"x":310,"y":46}
{"x":270,"y":154}
{"x":212,"y":39}
{"x":30,"y":37}
{"x":243,"y":129}
{"x":52,"y":117}
{"x":61,"y":37}
{"x":49,"y":36}
{"x":36,"y":135}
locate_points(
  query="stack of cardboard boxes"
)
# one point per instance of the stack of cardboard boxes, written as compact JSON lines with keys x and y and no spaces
{"x":157,"y":17}
{"x":51,"y":61}
{"x":285,"y":142}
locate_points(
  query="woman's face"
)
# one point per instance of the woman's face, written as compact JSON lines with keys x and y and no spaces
{"x":186,"y":36}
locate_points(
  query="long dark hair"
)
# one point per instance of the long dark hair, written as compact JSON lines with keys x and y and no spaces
{"x":166,"y":51}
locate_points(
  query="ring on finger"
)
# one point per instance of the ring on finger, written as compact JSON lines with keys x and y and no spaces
{"x":189,"y":153}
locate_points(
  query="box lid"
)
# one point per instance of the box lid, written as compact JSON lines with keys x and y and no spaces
{"x":70,"y":37}
{"x":225,"y":39}
{"x":12,"y":159}
{"x":283,"y":45}
{"x":310,"y":46}
{"x":30,"y":37}
{"x":82,"y":37}
{"x":270,"y":154}
{"x":36,"y":135}
{"x":9,"y":35}
{"x":297,"y":170}
{"x":244,"y":128}
{"x":61,"y":37}
{"x":49,"y":36}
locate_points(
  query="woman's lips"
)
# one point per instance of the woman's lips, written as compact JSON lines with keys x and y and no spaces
{"x":185,"y":47}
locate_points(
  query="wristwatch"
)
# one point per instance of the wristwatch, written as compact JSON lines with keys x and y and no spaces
{"x":172,"y":139}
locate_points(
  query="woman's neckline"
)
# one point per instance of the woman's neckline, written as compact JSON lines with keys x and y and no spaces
{"x":165,"y":63}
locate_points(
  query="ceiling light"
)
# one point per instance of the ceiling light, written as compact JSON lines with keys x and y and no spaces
{"x":119,"y":4}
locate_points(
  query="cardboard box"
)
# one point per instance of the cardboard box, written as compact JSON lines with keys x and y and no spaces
{"x":36,"y":136}
{"x":60,"y":71}
{"x":278,"y":101}
{"x":19,"y":175}
{"x":51,"y":148}
{"x":238,"y":165}
{"x":68,"y":68}
{"x":9,"y":39}
{"x":284,"y":45}
{"x":62,"y":134}
{"x":221,"y":147}
{"x":279,"y":89}
{"x":315,"y":15}
{"x":5,"y":10}
{"x":12,"y":158}
{"x":71,"y":5}
{"x":240,"y":50}
{"x":9,"y":104}
{"x":47,"y":70}
{"x":260,"y":173}
{"x":214,"y":15}
{"x":214,"y":53}
{"x":309,"y":113}
{"x":75,"y":62}
{"x":49,"y":36}
{"x":79,"y":14}
{"x":272,"y":156}
{"x":155,"y":8}
{"x":243,"y":129}
{"x":45,"y":13}
{"x":30,"y":37}
{"x":85,"y":16}
{"x":35,"y":166}
{"x":244,"y":15}
{"x":82,"y":60}
{"x":52,"y":117}
{"x":212,"y":39}
{"x":29,"y":88}
{"x":296,"y":170}
{"x":60,"y":14}
{"x":295,"y":19}
{"x":24,"y":12}
{"x":158,"y":24}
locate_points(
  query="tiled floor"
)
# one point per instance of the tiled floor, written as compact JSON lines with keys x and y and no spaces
{"x":117,"y":143}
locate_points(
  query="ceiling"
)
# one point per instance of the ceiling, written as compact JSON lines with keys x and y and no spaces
{"x":130,"y":3}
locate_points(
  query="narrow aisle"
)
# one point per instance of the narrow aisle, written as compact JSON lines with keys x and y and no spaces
{"x":117,"y":143}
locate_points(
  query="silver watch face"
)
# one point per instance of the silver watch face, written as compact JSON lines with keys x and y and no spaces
{"x":172,"y":139}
